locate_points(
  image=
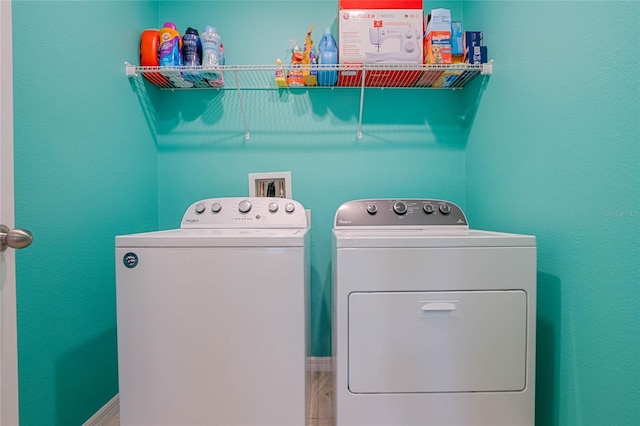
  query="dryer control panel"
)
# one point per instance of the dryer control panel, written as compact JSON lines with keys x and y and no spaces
{"x":245,"y":212}
{"x":399,"y":212}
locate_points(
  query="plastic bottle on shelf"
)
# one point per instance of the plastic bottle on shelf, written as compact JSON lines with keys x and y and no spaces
{"x":171,"y":54}
{"x":150,"y":55}
{"x":212,"y":56}
{"x":294,"y":74}
{"x":218,"y":82}
{"x":309,"y":61}
{"x":170,"y":46}
{"x":191,"y":54}
{"x":328,"y":55}
{"x":281,"y":81}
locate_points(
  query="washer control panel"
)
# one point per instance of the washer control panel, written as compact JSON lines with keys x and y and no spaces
{"x":245,"y":212}
{"x":399,"y":212}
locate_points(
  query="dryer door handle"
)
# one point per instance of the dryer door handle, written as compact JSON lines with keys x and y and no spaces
{"x":439,"y":306}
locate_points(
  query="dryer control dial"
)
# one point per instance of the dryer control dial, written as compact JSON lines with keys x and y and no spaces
{"x":216,"y":207}
{"x":200,"y":208}
{"x":273,"y":207}
{"x":399,"y":207}
{"x":445,"y":208}
{"x":372,"y":208}
{"x":428,"y":208}
{"x":244,"y":206}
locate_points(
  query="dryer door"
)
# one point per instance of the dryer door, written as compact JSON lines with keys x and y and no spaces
{"x":458,"y":341}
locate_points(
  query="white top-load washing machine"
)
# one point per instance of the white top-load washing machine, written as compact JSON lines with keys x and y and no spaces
{"x":212,"y":317}
{"x":434,"y":323}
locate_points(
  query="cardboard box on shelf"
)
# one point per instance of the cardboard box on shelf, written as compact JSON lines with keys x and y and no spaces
{"x":447,"y":79}
{"x":437,"y":40}
{"x":380,"y":32}
{"x":428,"y":78}
{"x":470,"y":39}
{"x":438,"y":20}
{"x":456,"y":38}
{"x":438,"y":47}
{"x":478,"y":55}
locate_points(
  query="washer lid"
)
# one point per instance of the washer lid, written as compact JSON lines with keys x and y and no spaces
{"x":399,"y":214}
{"x":215,"y":238}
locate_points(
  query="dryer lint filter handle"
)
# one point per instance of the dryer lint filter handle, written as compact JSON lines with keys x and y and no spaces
{"x":409,"y":213}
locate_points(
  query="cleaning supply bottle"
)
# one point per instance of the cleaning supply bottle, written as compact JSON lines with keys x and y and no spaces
{"x":309,"y":61}
{"x":294,"y":75}
{"x":328,"y":49}
{"x":150,"y":55}
{"x":281,"y":81}
{"x":191,"y":54}
{"x":170,"y":46}
{"x":212,"y":56}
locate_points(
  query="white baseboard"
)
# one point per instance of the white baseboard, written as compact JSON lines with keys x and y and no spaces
{"x":320,"y":363}
{"x":104,"y":415}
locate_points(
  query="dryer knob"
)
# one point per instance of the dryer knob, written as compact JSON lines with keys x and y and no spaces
{"x":244,"y":206}
{"x":200,"y":208}
{"x":428,"y":208}
{"x":289,"y":207}
{"x":400,"y":208}
{"x":445,"y":209}
{"x":273,"y":207}
{"x":372,"y":208}
{"x":216,"y":207}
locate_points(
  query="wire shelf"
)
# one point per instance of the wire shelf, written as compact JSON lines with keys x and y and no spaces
{"x":262,"y":77}
{"x":358,"y":76}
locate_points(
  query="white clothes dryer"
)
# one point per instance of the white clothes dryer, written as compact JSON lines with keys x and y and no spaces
{"x":212,"y":317}
{"x":434,"y":324}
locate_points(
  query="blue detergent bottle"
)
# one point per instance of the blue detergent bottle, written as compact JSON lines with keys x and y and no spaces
{"x":328,"y":55}
{"x":191,"y":54}
{"x":212,"y":57}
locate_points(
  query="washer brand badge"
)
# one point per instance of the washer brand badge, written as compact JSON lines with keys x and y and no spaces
{"x":130,"y":260}
{"x":344,"y":222}
{"x":192,"y":220}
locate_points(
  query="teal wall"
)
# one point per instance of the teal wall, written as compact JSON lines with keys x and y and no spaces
{"x":549,"y":145}
{"x":554,"y":151}
{"x":412,"y":145}
{"x":85,"y":171}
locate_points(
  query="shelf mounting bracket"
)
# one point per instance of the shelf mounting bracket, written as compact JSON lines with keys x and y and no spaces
{"x":130,"y":70}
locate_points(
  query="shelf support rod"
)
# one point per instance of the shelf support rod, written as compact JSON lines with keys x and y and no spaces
{"x":244,"y":115}
{"x":364,"y":71}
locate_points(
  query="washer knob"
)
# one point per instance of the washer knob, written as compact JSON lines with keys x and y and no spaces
{"x":372,"y":208}
{"x":428,"y":208}
{"x":244,"y":206}
{"x":289,"y":207}
{"x":200,"y":208}
{"x":445,"y":209}
{"x":273,"y":207}
{"x":400,"y":208}
{"x":216,"y":207}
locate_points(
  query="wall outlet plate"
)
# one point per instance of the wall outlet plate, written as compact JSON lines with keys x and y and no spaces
{"x":261,"y":183}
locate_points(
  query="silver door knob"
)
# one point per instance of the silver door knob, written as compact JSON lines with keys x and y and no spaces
{"x":16,"y":238}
